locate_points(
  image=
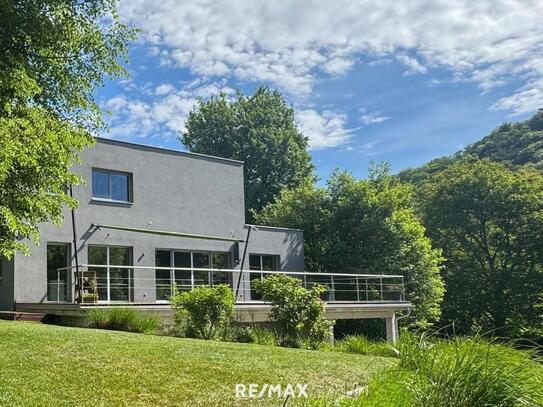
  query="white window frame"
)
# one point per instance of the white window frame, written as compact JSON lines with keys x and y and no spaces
{"x":191,"y":252}
{"x":108,"y":267}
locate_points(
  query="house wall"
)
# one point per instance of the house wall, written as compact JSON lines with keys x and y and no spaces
{"x":172,"y":191}
{"x":282,"y":242}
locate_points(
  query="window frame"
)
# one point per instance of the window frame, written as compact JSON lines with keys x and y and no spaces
{"x":108,"y":266}
{"x":260,"y":272}
{"x":108,"y":172}
{"x":191,"y":252}
{"x":67,"y":284}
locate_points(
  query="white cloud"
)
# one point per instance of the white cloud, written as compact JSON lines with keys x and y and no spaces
{"x":372,"y":117}
{"x":288,"y":43}
{"x":164,"y":89}
{"x":324,"y":130}
{"x":163,"y":116}
{"x":412,"y":64}
{"x":527,"y":99}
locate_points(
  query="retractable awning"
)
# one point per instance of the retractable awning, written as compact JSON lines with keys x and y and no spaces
{"x":168,"y":233}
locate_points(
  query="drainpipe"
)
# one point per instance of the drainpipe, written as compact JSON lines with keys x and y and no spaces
{"x":404,"y":316}
{"x":251,"y":227}
{"x":398,"y":319}
{"x":76,"y":255}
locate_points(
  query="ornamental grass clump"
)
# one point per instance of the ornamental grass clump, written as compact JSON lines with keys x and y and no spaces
{"x":123,"y":319}
{"x":457,"y":372}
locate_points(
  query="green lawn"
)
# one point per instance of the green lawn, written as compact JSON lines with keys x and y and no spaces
{"x":48,"y":365}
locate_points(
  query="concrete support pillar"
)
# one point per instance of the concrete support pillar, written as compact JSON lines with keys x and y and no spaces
{"x":331,"y":338}
{"x":392,"y":329}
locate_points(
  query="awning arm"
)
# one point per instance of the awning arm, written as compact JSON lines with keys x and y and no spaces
{"x":167,"y":233}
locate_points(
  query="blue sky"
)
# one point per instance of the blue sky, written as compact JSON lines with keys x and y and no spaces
{"x":370,"y":81}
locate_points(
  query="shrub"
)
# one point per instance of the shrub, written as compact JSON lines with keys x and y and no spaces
{"x":363,"y":346}
{"x":297,"y":312}
{"x":206,"y":308}
{"x":123,"y":319}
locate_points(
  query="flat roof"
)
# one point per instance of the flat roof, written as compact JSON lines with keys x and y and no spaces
{"x":163,"y":150}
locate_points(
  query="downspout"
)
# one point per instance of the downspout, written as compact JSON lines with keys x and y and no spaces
{"x":251,"y":227}
{"x":404,"y":316}
{"x":76,"y":255}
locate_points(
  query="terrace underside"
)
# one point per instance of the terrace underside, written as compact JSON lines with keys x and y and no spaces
{"x":245,"y":312}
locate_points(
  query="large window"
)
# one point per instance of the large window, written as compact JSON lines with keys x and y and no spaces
{"x":168,"y":280}
{"x":111,"y":185}
{"x":113,"y":284}
{"x":58,"y":259}
{"x":260,"y":262}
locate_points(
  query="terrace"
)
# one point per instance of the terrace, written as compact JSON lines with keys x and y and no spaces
{"x":348,"y":295}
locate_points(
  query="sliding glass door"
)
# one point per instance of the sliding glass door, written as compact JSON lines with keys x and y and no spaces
{"x":113,"y":284}
{"x":169,"y":280}
{"x":58,"y":259}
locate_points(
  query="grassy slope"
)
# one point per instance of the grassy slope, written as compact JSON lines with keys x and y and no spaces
{"x":50,"y":365}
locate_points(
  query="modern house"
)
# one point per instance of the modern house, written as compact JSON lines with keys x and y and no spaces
{"x":151,"y":221}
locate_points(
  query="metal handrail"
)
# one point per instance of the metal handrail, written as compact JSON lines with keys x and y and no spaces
{"x":294,"y":273}
{"x":373,"y":289}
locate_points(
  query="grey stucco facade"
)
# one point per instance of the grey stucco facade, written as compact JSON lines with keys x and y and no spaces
{"x":169,"y":191}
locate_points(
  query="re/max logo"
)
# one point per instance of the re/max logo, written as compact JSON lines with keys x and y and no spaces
{"x":253,"y":390}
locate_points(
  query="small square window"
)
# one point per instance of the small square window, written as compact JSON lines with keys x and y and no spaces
{"x":111,"y":185}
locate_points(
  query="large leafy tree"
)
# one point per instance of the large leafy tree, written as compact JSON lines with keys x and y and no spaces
{"x":368,"y":226}
{"x":489,"y":221}
{"x":261,"y":131}
{"x":53,"y":54}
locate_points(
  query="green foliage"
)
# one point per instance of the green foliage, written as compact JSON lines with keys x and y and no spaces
{"x":363,"y":346}
{"x":237,"y":332}
{"x":297,"y":312}
{"x":263,"y":336}
{"x":489,"y":221}
{"x":122,"y":319}
{"x":207,"y":308}
{"x":369,"y":226}
{"x":456,"y":372}
{"x":468,"y":371}
{"x":53,"y":55}
{"x":514,"y":144}
{"x":261,"y":131}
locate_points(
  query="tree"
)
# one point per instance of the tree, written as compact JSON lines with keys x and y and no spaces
{"x":489,"y":221}
{"x":514,"y":144}
{"x":259,"y":130}
{"x":365,"y":226}
{"x":53,"y":55}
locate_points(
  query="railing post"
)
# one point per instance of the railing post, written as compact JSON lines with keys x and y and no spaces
{"x":381,"y":283}
{"x":357,"y":291}
{"x":367,"y":291}
{"x":333,"y":289}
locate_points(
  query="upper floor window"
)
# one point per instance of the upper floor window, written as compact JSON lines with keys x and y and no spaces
{"x":111,"y":185}
{"x":264,"y":262}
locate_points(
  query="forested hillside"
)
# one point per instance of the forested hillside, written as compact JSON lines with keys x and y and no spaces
{"x":514,"y":144}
